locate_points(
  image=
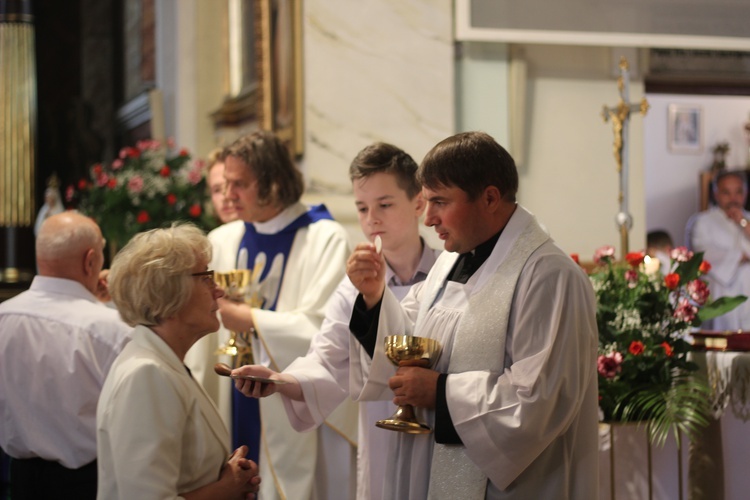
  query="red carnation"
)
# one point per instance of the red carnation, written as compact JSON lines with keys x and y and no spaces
{"x":667,"y":349}
{"x":609,"y":365}
{"x":704,"y":267}
{"x":143,"y":217}
{"x":575,"y":258}
{"x":171,"y":199}
{"x":82,"y":184}
{"x":672,"y":280}
{"x":698,"y":291}
{"x":195,"y":211}
{"x":164,"y":172}
{"x":636,"y":348}
{"x":184,"y":152}
{"x":112,"y":183}
{"x":635,"y":258}
{"x":604,"y":254}
{"x":97,"y":169}
{"x":129,"y":152}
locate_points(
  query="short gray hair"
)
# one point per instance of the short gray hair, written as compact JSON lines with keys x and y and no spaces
{"x":739,"y":174}
{"x":150,"y":277}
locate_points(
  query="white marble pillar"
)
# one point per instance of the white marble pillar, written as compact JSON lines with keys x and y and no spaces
{"x":374,"y":70}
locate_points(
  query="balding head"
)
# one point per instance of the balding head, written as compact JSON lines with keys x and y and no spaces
{"x":70,"y":246}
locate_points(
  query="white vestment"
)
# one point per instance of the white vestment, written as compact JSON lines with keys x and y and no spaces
{"x":519,"y":343}
{"x":323,"y":375}
{"x":724,"y":243}
{"x":293,"y":465}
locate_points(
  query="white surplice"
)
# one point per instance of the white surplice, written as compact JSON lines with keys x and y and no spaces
{"x":527,"y":414}
{"x":323,"y":375}
{"x":293,"y":465}
{"x":724,"y":243}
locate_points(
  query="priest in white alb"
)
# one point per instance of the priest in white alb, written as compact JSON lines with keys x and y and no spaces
{"x":513,"y":397}
{"x":301,"y":251}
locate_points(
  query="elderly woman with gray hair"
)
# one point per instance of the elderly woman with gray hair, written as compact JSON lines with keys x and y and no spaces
{"x":158,"y":433}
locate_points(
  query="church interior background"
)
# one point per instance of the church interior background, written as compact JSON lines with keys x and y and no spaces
{"x":411,"y":73}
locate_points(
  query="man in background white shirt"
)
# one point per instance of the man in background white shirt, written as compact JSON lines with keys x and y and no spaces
{"x":723,"y":234}
{"x":57,"y":343}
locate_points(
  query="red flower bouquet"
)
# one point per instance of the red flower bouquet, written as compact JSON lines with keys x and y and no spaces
{"x":147,"y":186}
{"x":643,"y":319}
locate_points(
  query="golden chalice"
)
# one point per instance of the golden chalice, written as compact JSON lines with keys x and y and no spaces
{"x":409,"y":348}
{"x":236,"y":286}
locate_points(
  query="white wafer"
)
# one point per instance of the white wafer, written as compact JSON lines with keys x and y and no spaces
{"x":378,"y":244}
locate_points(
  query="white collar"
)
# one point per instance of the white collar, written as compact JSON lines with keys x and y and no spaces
{"x":281,"y":220}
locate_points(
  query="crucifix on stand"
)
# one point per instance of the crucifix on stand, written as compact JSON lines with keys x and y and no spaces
{"x":620,"y":116}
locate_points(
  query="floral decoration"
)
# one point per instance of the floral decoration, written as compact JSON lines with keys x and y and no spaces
{"x":146,"y":187}
{"x":643,"y":319}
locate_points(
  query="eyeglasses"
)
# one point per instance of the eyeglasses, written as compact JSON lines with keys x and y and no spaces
{"x":207,"y":277}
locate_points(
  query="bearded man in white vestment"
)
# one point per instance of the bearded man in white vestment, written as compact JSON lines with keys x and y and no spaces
{"x":302,"y":252}
{"x":389,"y":206}
{"x":513,"y":397}
{"x":723,"y":234}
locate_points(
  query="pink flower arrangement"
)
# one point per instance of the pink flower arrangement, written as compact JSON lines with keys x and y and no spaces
{"x":146,"y":186}
{"x":643,"y":321}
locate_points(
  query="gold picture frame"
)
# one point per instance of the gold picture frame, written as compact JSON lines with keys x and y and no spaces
{"x":279,"y":69}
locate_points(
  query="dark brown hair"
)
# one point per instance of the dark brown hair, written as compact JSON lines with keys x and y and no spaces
{"x":279,"y":180}
{"x":386,"y":158}
{"x":470,"y":161}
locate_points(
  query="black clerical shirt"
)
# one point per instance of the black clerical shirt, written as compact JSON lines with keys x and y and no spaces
{"x":364,"y":327}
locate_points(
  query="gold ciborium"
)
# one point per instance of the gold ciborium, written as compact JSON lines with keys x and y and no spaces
{"x":236,"y":285}
{"x":409,"y":348}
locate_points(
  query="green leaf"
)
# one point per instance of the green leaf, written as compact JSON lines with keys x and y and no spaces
{"x":688,"y":271}
{"x":720,"y":306}
{"x":682,"y":407}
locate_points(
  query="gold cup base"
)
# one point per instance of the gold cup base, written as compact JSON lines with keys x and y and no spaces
{"x":401,"y":426}
{"x":404,"y":420}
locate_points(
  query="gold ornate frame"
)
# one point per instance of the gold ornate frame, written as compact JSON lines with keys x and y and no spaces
{"x":279,"y":63}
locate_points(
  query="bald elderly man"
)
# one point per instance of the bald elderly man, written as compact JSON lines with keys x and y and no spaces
{"x":57,"y":342}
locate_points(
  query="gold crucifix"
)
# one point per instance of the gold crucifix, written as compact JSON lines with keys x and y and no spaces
{"x":620,"y":116}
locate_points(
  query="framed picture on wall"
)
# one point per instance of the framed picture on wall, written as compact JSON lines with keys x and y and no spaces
{"x":280,"y":69}
{"x":685,"y":134}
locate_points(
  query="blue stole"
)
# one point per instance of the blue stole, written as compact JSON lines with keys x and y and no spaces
{"x":246,"y":411}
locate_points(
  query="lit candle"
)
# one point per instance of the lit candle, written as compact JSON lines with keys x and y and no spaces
{"x":651,"y":265}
